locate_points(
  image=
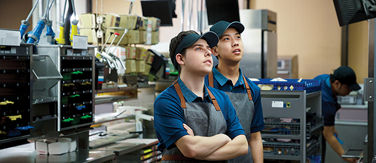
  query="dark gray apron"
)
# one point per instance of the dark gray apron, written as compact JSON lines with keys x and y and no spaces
{"x":245,"y":110}
{"x":204,"y":119}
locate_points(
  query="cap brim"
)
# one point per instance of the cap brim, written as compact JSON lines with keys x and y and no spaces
{"x":237,"y":25}
{"x":211,"y":38}
{"x":354,"y":87}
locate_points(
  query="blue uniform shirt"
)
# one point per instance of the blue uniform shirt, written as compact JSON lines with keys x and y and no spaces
{"x":222,"y":83}
{"x":329,"y":102}
{"x":169,"y":115}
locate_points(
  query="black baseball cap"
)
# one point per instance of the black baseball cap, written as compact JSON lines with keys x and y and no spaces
{"x":346,"y":75}
{"x":210,"y":37}
{"x":220,"y":27}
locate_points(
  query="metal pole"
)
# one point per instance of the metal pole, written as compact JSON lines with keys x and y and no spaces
{"x":371,"y":104}
{"x":182,"y":14}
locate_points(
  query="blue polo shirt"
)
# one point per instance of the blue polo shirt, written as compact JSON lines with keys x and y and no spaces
{"x":222,"y":83}
{"x":169,"y":115}
{"x":329,"y":102}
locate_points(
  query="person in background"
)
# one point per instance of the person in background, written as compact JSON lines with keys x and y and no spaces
{"x":243,"y":93}
{"x":192,"y":121}
{"x":340,"y":83}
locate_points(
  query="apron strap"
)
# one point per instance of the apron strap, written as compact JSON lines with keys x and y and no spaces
{"x":210,"y":79}
{"x":215,"y":103}
{"x":248,"y":89}
{"x":180,"y":94}
{"x":182,"y":100}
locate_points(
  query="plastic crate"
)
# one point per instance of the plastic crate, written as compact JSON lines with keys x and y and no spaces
{"x":309,"y":85}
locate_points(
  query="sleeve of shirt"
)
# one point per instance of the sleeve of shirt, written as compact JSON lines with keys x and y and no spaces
{"x":257,"y":123}
{"x":168,"y":121}
{"x":328,"y":112}
{"x":234,"y":128}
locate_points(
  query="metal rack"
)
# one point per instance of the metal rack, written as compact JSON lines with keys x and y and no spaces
{"x":74,"y":93}
{"x":15,"y":90}
{"x":292,"y":124}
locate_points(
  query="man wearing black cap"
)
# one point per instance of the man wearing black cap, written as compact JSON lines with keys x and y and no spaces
{"x":340,"y":83}
{"x":243,"y":93}
{"x":192,"y":121}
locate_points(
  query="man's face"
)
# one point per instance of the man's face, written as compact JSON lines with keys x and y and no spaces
{"x":341,"y":89}
{"x":198,"y":58}
{"x":230,"y":46}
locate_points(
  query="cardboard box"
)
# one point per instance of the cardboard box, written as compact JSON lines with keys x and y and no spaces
{"x":147,"y":69}
{"x":149,"y":59}
{"x":91,"y":35}
{"x":130,"y":65}
{"x":140,"y":66}
{"x":141,"y":53}
{"x":110,"y":33}
{"x":155,"y":37}
{"x":87,"y":21}
{"x":129,"y":21}
{"x":133,"y":37}
{"x":55,"y":146}
{"x":130,"y":52}
{"x":144,"y":23}
{"x":143,"y":37}
{"x":155,"y":23}
{"x":111,"y":20}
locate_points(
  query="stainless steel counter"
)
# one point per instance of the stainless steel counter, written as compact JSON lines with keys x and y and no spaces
{"x":27,"y":154}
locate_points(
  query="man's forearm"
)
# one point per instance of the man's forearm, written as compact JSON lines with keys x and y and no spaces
{"x":199,"y":146}
{"x":336,"y":146}
{"x":236,"y":147}
{"x":255,"y":143}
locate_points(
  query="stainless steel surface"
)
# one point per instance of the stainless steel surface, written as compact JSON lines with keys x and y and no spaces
{"x":251,"y":61}
{"x":27,"y":154}
{"x":259,"y":19}
{"x":260,"y":43}
{"x":46,"y":90}
{"x":46,"y":73}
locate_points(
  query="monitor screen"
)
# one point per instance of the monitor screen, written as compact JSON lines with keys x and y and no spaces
{"x":217,"y":10}
{"x":351,"y":11}
{"x":161,"y":9}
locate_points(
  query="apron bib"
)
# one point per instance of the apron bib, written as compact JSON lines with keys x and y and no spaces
{"x":205,"y":119}
{"x":245,"y":110}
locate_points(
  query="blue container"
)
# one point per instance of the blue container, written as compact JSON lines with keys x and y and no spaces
{"x":309,"y":85}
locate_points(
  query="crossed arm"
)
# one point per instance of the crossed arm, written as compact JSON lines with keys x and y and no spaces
{"x":217,"y":147}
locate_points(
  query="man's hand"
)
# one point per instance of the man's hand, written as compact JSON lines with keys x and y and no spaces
{"x":189,"y":130}
{"x":351,"y":160}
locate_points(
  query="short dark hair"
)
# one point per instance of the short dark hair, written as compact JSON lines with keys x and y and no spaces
{"x":174,"y":44}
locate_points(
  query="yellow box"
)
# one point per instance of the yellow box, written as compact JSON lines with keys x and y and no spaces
{"x":130,"y":65}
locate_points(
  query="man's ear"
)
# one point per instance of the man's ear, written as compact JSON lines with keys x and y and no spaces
{"x":179,"y":59}
{"x":336,"y":83}
{"x":214,"y":51}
